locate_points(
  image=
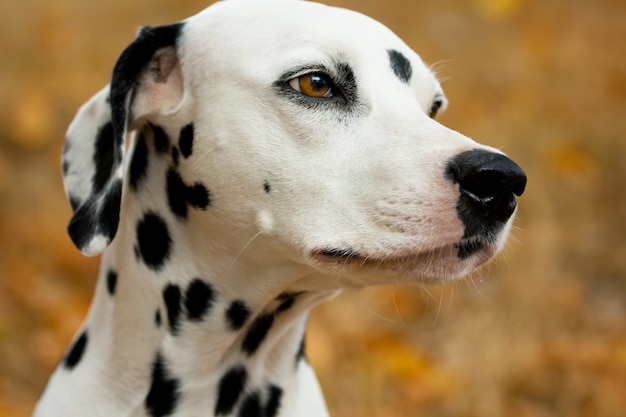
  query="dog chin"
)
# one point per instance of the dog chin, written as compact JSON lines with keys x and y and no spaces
{"x":440,"y":264}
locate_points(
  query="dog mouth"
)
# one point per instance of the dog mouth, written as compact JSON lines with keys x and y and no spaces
{"x":440,"y":261}
{"x":466,"y":247}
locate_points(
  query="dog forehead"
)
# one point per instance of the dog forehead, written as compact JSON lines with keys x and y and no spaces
{"x":273,"y":32}
{"x":282,"y":19}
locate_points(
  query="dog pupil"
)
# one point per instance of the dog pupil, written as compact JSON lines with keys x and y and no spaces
{"x":318,"y":84}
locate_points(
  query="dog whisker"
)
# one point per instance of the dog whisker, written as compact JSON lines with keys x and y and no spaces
{"x":243,"y":249}
{"x":395,"y":304}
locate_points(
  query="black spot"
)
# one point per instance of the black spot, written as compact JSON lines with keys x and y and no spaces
{"x":301,"y":353}
{"x":75,"y":354}
{"x":109,"y":212}
{"x":154,"y":240}
{"x":185,"y":142}
{"x":400,"y":65}
{"x":257,"y":332}
{"x":139,"y":164}
{"x":163,"y":395}
{"x":176,"y":193}
{"x":179,"y":195}
{"x":267,"y":187}
{"x":83,"y":224}
{"x":111,"y":281}
{"x":286,"y":304}
{"x":103,"y":157}
{"x":157,"y":318}
{"x":175,"y":156}
{"x":198,"y":196}
{"x":287,"y":299}
{"x":251,"y":406}
{"x":161,"y":140}
{"x":172,"y":298}
{"x":273,"y":402}
{"x":230,"y":388}
{"x":237,"y":314}
{"x":198,"y":299}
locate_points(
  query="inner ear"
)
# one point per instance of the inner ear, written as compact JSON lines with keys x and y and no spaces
{"x":163,"y":63}
{"x":160,"y":89}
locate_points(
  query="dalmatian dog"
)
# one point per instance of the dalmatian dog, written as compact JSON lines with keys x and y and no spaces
{"x":279,"y":151}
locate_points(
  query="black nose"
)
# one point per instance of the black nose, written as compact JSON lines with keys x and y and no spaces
{"x":488,"y":183}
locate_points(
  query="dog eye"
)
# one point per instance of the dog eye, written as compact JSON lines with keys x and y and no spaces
{"x":315,"y":85}
{"x":434,"y":109}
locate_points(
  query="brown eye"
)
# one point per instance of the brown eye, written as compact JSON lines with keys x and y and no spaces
{"x":434,"y":109}
{"x":313,"y":85}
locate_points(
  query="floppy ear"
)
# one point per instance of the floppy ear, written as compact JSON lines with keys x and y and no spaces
{"x":93,"y":155}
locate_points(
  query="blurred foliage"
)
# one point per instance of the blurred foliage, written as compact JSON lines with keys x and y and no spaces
{"x":540,"y":333}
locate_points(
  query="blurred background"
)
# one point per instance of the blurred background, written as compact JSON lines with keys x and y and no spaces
{"x":539,"y":333}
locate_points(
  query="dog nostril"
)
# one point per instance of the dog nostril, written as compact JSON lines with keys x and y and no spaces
{"x":488,"y":181}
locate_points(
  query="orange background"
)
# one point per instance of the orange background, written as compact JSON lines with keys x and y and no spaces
{"x":540,"y":333}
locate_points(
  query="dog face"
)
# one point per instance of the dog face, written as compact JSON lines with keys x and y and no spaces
{"x":314,"y":134}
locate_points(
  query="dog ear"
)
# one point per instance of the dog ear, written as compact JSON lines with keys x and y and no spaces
{"x":146,"y":72}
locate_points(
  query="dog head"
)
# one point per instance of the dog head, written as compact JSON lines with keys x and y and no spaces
{"x":308,"y":127}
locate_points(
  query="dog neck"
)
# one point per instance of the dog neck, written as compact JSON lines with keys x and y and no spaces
{"x":201,"y":332}
{"x":194,"y":321}
{"x":157,"y":346}
{"x":168,"y":329}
